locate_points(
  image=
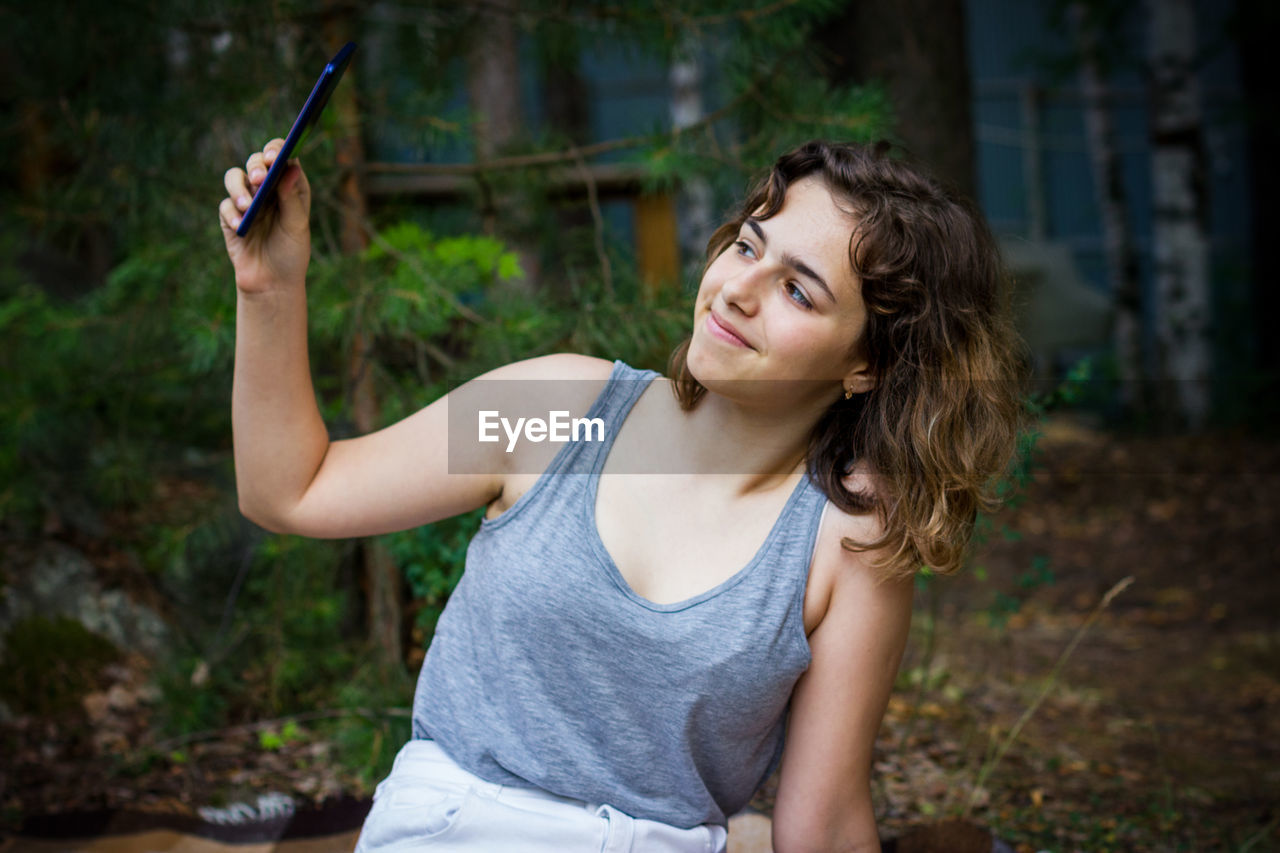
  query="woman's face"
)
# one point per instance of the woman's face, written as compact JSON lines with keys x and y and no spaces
{"x":783,"y":303}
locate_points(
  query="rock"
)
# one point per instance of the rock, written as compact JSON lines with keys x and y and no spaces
{"x":750,"y":832}
{"x":58,"y":580}
{"x":121,"y":698}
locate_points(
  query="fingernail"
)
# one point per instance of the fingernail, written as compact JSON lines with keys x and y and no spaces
{"x":243,"y":201}
{"x":235,"y":223}
{"x":257,"y":175}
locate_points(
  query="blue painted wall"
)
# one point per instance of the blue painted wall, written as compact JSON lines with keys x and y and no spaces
{"x":1013,"y":45}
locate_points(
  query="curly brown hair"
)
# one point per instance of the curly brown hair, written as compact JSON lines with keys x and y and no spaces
{"x":939,"y":427}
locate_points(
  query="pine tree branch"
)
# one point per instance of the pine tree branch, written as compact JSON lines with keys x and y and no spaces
{"x":567,"y":156}
{"x":366,"y":225}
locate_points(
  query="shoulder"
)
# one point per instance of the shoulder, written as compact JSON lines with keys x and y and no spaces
{"x":842,"y":578}
{"x":564,"y":365}
{"x":510,"y":419}
{"x":533,"y":388}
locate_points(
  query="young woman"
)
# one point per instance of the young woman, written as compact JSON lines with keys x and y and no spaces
{"x":628,"y":657}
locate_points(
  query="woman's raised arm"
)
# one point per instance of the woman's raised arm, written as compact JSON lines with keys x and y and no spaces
{"x":289,"y":476}
{"x":280,"y":439}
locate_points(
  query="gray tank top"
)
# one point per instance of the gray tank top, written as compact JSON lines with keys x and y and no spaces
{"x":546,"y":670}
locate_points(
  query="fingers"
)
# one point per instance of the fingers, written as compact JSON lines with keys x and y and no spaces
{"x":238,"y":189}
{"x":228,"y":218}
{"x":242,"y":184}
{"x":260,"y":161}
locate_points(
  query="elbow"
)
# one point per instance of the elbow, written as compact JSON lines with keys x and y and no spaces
{"x":250,"y":513}
{"x":256,"y":513}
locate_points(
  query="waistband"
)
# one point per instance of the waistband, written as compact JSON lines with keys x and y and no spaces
{"x":427,"y":755}
{"x":623,"y":835}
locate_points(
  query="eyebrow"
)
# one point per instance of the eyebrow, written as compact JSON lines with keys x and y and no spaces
{"x":792,"y":261}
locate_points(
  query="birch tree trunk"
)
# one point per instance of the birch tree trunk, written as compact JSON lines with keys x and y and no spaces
{"x":1113,"y":204}
{"x":1180,"y":204}
{"x":695,"y":202}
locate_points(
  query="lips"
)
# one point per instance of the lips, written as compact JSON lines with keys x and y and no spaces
{"x":725,"y":332}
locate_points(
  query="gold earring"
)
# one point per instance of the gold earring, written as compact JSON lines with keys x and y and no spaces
{"x":848,"y":393}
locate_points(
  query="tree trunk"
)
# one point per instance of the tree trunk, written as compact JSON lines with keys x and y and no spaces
{"x":1180,"y":203}
{"x":917,"y":49}
{"x":695,"y":201}
{"x":567,"y":101}
{"x":1113,"y":204}
{"x":493,"y":91}
{"x":380,"y":576}
{"x":493,"y":81}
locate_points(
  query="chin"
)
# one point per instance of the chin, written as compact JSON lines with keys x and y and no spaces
{"x":717,"y":376}
{"x":701,"y":361}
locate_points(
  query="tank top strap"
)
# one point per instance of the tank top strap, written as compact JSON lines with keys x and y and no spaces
{"x":620,"y":393}
{"x":625,"y":385}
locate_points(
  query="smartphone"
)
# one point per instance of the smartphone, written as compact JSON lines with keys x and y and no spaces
{"x":309,"y":115}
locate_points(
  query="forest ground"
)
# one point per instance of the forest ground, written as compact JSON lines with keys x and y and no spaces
{"x":1160,"y":730}
{"x":1159,"y":733}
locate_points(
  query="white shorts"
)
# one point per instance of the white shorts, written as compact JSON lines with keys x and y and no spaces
{"x":429,"y":802}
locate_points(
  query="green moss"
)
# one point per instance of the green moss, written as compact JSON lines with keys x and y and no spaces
{"x":49,"y":664}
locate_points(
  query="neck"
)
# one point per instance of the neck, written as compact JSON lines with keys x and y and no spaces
{"x":761,"y":443}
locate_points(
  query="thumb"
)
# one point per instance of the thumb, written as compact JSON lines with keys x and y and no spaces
{"x":295,"y":198}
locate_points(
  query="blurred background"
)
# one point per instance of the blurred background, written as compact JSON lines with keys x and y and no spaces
{"x":500,"y":179}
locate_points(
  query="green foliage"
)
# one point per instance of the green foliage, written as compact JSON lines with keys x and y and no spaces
{"x":277,"y":648}
{"x":32,"y":434}
{"x":191,"y":704}
{"x":1069,"y":391}
{"x":272,"y":740}
{"x":415,"y":283}
{"x":292,"y":653}
{"x":641,"y":331}
{"x":432,"y":559}
{"x":48,"y":664}
{"x":101,"y":385}
{"x":366,"y":741}
{"x":1006,"y":604}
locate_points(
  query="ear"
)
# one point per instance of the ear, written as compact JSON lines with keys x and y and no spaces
{"x":859,"y":379}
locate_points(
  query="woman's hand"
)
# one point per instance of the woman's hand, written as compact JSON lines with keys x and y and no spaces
{"x":277,"y":250}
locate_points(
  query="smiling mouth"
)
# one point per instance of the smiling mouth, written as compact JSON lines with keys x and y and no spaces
{"x":723,"y":332}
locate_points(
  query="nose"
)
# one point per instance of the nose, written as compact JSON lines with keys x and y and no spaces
{"x":744,"y":289}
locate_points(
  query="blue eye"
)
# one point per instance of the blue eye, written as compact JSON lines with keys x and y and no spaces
{"x":797,"y":295}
